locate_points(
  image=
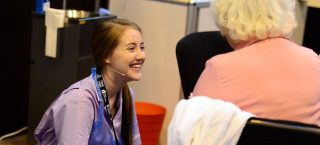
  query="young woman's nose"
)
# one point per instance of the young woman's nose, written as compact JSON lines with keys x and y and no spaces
{"x":140,"y":54}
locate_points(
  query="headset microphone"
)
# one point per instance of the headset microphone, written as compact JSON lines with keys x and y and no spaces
{"x":116,"y":71}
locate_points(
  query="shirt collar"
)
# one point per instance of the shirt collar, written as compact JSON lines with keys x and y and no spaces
{"x":255,"y":40}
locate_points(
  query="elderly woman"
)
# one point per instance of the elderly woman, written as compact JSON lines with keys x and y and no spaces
{"x":267,"y":74}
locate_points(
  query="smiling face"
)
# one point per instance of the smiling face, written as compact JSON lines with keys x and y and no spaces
{"x":128,"y":56}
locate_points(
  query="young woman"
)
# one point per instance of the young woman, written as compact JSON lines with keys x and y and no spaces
{"x":99,"y":110}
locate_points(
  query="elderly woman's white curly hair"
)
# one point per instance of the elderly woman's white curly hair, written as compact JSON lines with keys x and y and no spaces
{"x":242,"y":20}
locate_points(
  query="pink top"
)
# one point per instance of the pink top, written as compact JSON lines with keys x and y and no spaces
{"x":273,"y":78}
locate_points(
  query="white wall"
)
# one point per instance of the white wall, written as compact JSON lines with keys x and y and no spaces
{"x":301,"y":15}
{"x":206,"y":22}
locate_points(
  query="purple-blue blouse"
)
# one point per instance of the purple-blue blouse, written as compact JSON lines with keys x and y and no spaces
{"x":77,"y":117}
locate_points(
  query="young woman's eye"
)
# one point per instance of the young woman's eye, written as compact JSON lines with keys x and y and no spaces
{"x":142,"y":47}
{"x":131,"y":48}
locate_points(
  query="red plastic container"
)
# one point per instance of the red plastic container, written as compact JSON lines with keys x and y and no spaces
{"x":150,"y":119}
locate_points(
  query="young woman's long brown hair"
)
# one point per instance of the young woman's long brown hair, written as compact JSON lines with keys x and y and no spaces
{"x":104,"y":40}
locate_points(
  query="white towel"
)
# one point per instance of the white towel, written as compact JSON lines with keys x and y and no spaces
{"x":205,"y":121}
{"x":54,"y":19}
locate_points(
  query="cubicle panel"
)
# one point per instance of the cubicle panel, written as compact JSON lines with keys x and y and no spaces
{"x":205,"y":20}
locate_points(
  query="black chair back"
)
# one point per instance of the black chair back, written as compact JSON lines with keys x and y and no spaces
{"x":193,"y":51}
{"x":260,"y":131}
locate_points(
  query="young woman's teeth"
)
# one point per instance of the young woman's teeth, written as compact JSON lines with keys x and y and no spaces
{"x":136,"y":66}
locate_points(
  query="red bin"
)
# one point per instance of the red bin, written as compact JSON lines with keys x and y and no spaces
{"x":150,"y":119}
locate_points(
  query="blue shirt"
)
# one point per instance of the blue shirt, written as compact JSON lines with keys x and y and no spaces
{"x":77,"y":117}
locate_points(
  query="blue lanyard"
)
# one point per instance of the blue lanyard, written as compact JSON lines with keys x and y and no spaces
{"x":104,"y":93}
